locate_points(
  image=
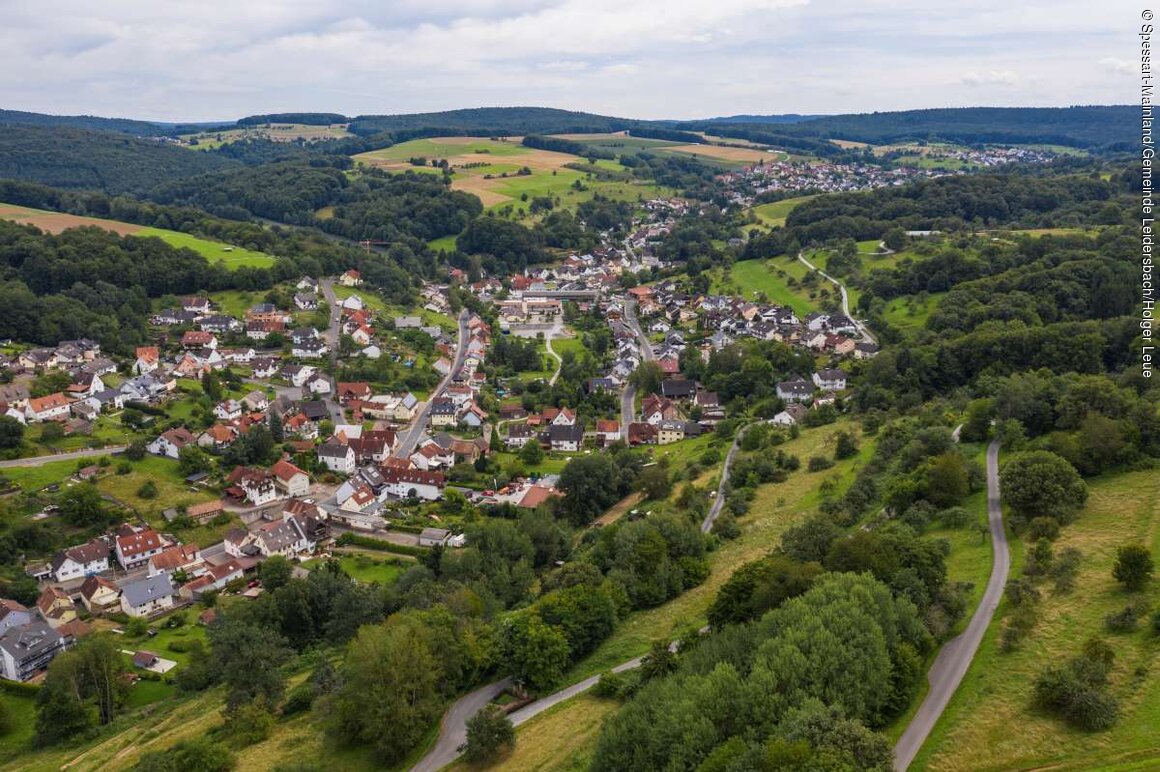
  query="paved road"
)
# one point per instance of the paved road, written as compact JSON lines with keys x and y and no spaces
{"x":955,"y":658}
{"x":419,"y":424}
{"x":719,"y":502}
{"x":42,"y":460}
{"x":628,"y":393}
{"x":845,"y":298}
{"x":453,"y":728}
{"x":327,"y":287}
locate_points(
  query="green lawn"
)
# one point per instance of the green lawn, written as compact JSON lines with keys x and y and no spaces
{"x":909,"y":313}
{"x":774,"y":214}
{"x":772,"y":277}
{"x":31,"y":478}
{"x":216,"y":252}
{"x":21,"y":711}
{"x":368,"y":569}
{"x":990,"y":723}
{"x":444,"y":244}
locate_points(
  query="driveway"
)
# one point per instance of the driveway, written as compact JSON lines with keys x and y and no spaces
{"x":955,"y":658}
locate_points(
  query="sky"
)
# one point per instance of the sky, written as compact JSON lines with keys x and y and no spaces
{"x":223,"y":59}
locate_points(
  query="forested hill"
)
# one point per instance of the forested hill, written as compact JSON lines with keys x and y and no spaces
{"x":90,"y":122}
{"x":1095,"y":127}
{"x":97,"y":160}
{"x":506,"y":120}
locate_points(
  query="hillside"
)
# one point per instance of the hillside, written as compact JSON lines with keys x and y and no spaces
{"x":97,"y":160}
{"x":89,"y":122}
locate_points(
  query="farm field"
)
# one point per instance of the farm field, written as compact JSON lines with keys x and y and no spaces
{"x":480,"y":166}
{"x":278,"y":132}
{"x":741,"y":156}
{"x":619,"y":142}
{"x":976,"y":731}
{"x":214,"y":251}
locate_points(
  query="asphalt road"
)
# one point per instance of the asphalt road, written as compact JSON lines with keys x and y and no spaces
{"x":845,"y":298}
{"x":42,"y":460}
{"x":407,"y":444}
{"x":628,"y":393}
{"x":955,"y":658}
{"x":453,"y":728}
{"x":327,"y":287}
{"x":719,"y":501}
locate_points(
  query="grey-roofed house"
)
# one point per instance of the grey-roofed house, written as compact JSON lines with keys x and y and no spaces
{"x":27,"y":649}
{"x":796,"y":390}
{"x":149,"y":596}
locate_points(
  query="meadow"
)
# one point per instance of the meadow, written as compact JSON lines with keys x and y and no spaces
{"x":215,"y":251}
{"x":773,"y":215}
{"x":772,"y":278}
{"x":991,"y":724}
{"x":489,"y":169}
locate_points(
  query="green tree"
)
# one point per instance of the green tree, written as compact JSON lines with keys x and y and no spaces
{"x":1133,"y":567}
{"x":647,"y":378}
{"x":195,"y":755}
{"x":249,"y":659}
{"x":84,"y":689}
{"x":946,"y":480}
{"x":847,"y":446}
{"x":211,"y":385}
{"x":534,"y":652}
{"x":82,"y":506}
{"x":759,"y":586}
{"x":147,"y":490}
{"x":590,"y":485}
{"x":489,"y":733}
{"x":11,"y":433}
{"x":391,"y":677}
{"x":191,"y":459}
{"x":531,"y":453}
{"x":654,"y":482}
{"x":275,"y":572}
{"x":1040,"y":483}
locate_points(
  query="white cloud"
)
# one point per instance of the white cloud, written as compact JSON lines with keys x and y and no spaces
{"x":176,"y":60}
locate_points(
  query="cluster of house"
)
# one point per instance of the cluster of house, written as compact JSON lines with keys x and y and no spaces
{"x":665,"y":307}
{"x":158,"y":574}
{"x":819,"y":390}
{"x":457,"y":404}
{"x":744,"y":185}
{"x":554,"y":428}
{"x":79,"y":403}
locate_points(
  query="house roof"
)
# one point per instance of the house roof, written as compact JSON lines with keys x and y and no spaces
{"x":88,"y":552}
{"x":285,"y":471}
{"x":205,"y":508}
{"x":334,"y":450}
{"x":136,"y":542}
{"x":29,"y":641}
{"x":175,"y":557}
{"x":93,"y":584}
{"x":49,"y":402}
{"x":144,"y":591}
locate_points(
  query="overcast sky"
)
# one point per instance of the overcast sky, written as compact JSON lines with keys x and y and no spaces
{"x":222,"y":59}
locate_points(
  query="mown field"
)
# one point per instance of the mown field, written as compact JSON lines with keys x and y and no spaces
{"x":490,"y":169}
{"x":214,"y":251}
{"x":774,"y":214}
{"x":773,"y":277}
{"x":991,"y":724}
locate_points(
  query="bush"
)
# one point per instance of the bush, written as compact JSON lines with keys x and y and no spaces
{"x":249,"y":724}
{"x":1133,"y":566}
{"x":954,"y":517}
{"x":489,"y":732}
{"x":1126,"y":620}
{"x":818,"y":463}
{"x":198,"y":754}
{"x":299,"y":700}
{"x":1043,"y":528}
{"x":148,"y":490}
{"x":1077,"y":692}
{"x":124,"y":467}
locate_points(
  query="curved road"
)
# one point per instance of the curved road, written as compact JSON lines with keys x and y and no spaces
{"x":955,"y":658}
{"x":845,"y":297}
{"x":453,"y":727}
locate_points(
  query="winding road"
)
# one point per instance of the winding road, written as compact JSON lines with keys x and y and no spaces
{"x":453,"y":727}
{"x":845,"y":297}
{"x":955,"y":658}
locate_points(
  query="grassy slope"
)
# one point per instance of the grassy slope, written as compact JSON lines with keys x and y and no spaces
{"x":214,"y":251}
{"x":774,"y":214}
{"x":990,"y":723}
{"x":763,"y":276}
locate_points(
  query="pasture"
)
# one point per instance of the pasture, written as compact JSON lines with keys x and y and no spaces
{"x":277,"y":132}
{"x":215,"y":251}
{"x":774,"y":215}
{"x":976,"y":732}
{"x":502,"y":171}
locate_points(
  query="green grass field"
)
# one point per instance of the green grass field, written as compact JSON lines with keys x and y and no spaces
{"x":909,"y":313}
{"x":369,"y":569}
{"x":771,"y":277}
{"x":774,"y":214}
{"x":990,"y":723}
{"x":214,"y":251}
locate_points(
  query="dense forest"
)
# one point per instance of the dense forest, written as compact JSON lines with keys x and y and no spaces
{"x":113,"y":163}
{"x":1094,"y":127}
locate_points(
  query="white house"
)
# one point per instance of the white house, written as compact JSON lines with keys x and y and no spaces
{"x":170,"y":443}
{"x":148,"y":596}
{"x":81,"y":561}
{"x":134,"y":546}
{"x":404,"y":483}
{"x":290,"y":478}
{"x":337,"y":457}
{"x":830,"y":380}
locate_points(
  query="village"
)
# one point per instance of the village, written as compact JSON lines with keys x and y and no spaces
{"x":279,"y":457}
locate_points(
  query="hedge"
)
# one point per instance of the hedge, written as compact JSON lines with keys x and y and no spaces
{"x":19,"y":687}
{"x":379,"y":544}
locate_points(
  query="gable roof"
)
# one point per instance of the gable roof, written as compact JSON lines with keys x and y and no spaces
{"x":146,"y":590}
